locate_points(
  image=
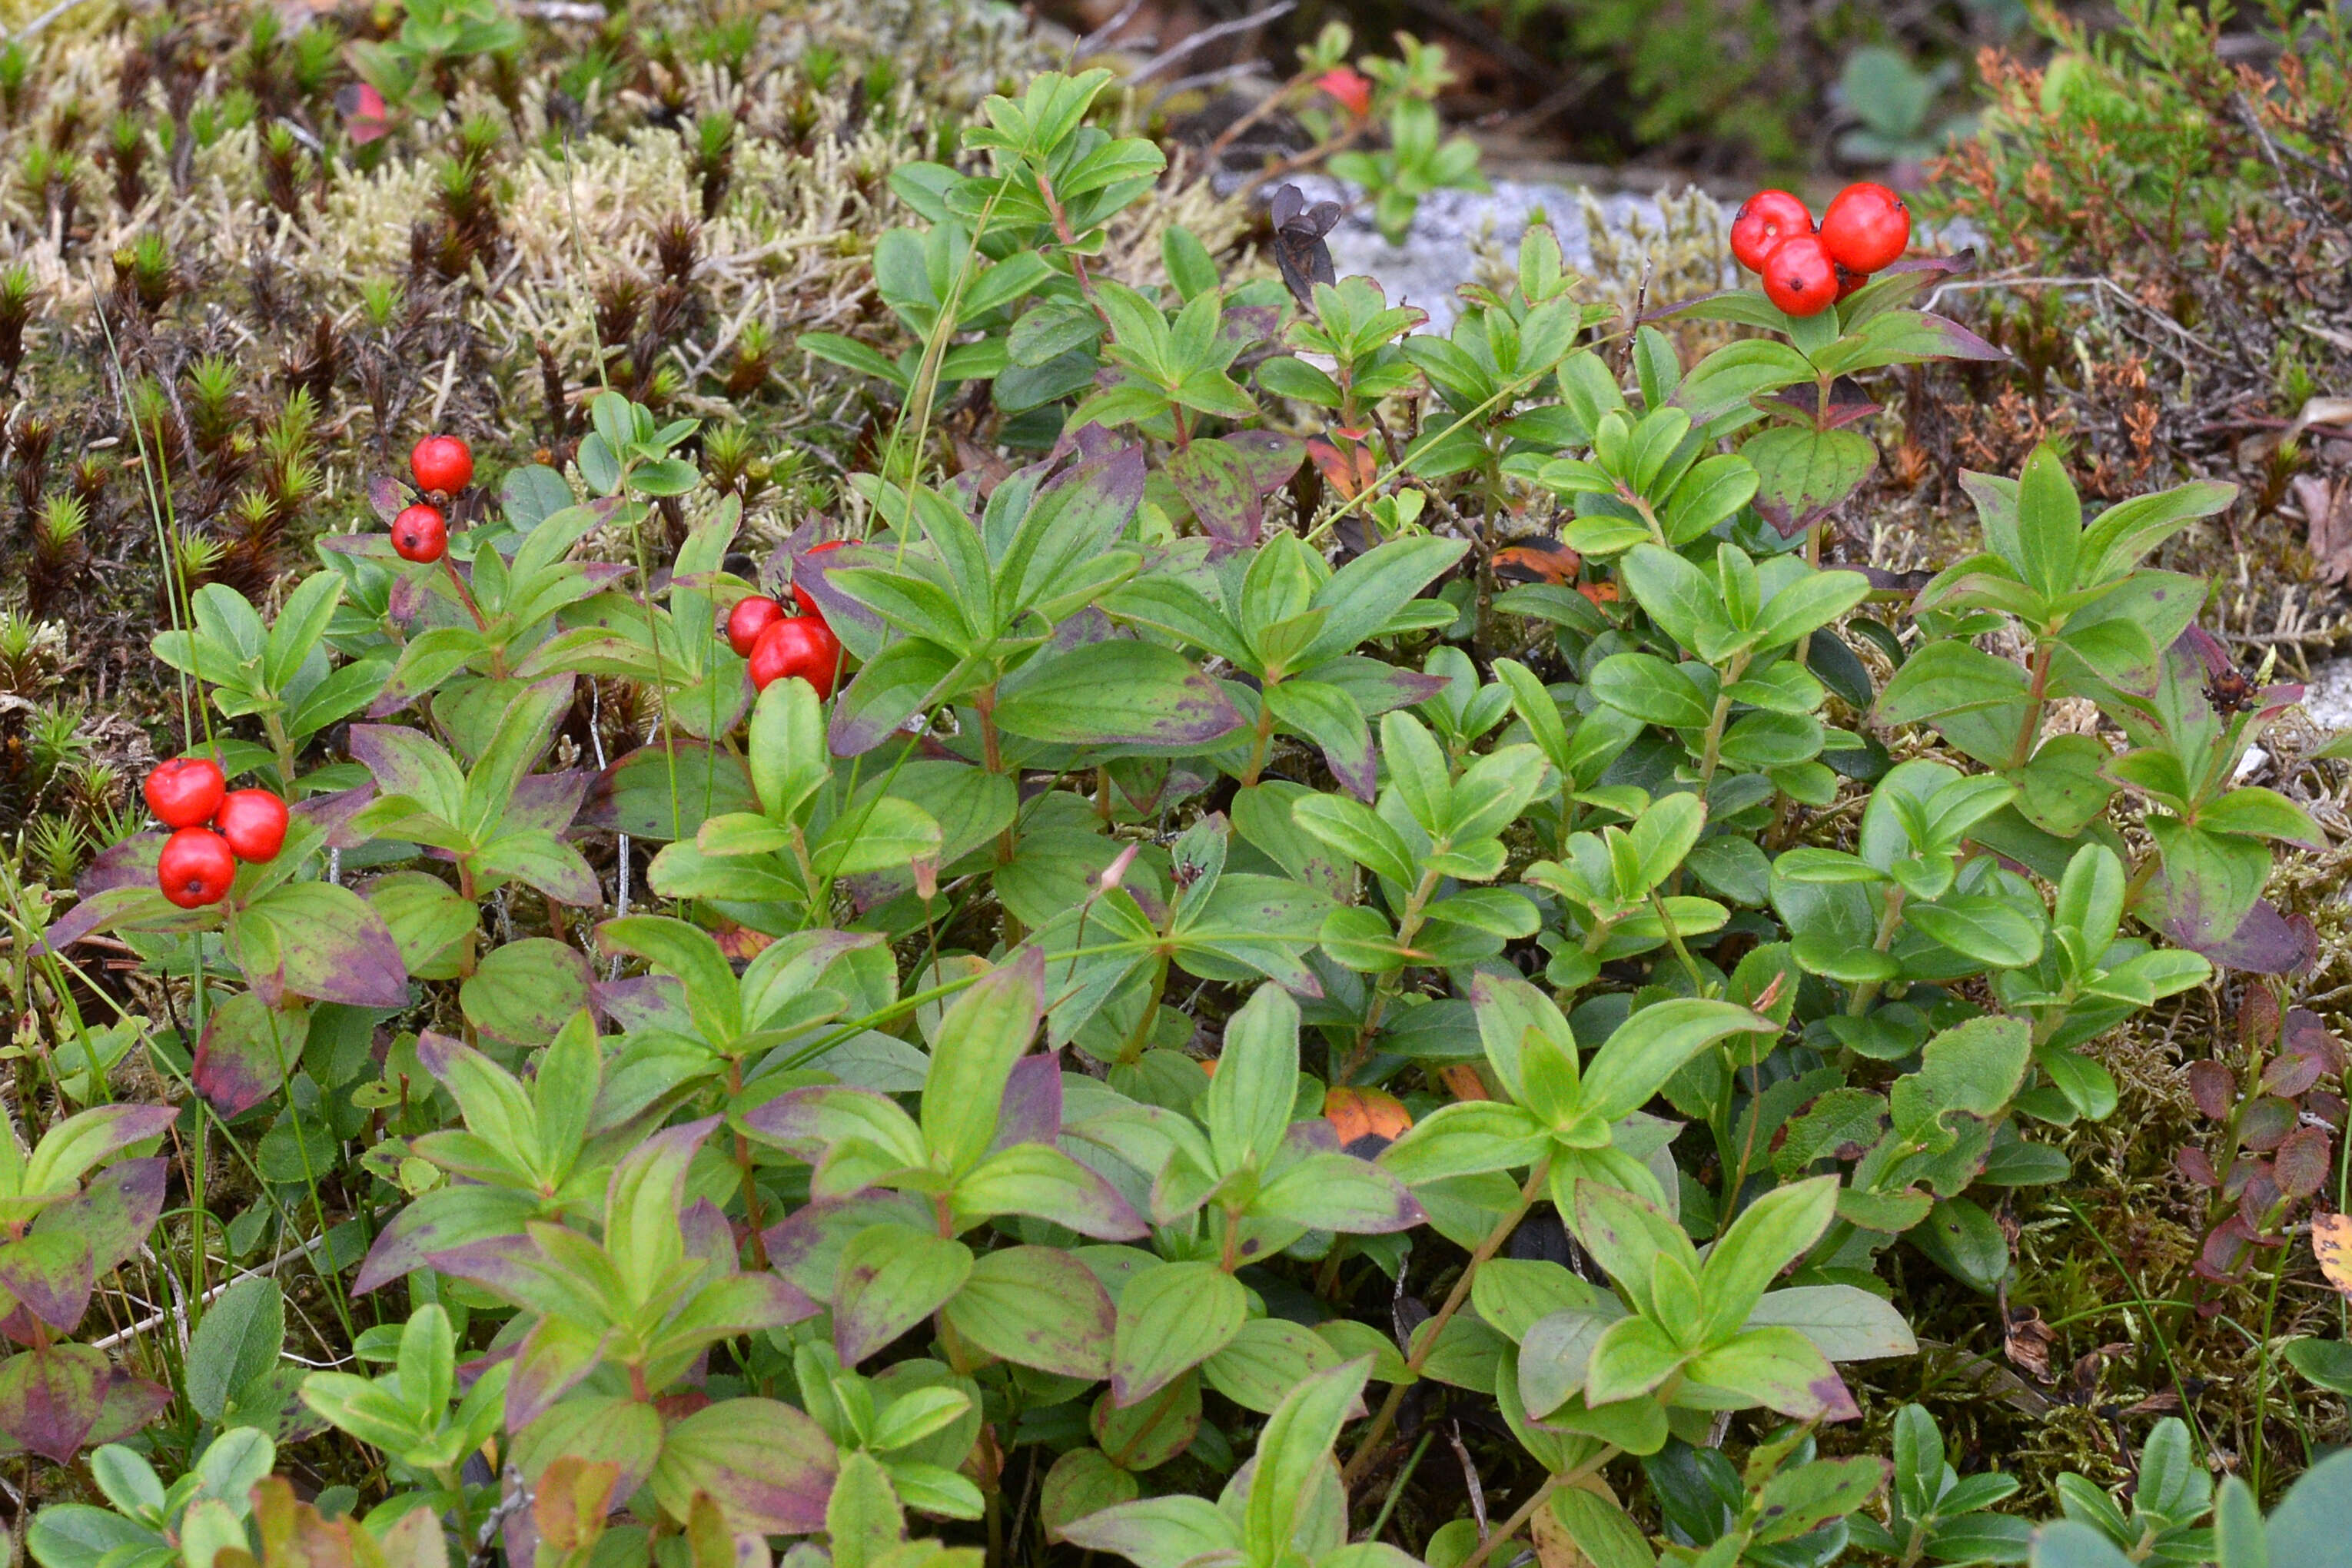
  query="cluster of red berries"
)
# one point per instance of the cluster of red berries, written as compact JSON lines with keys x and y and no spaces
{"x":213,"y":828}
{"x":780,"y":644}
{"x":1808,"y":269}
{"x":443,"y":465}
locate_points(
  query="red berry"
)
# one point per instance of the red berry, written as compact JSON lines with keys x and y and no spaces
{"x":798,"y":644}
{"x":442,"y":463}
{"x":1850,"y":281}
{"x":195,"y":868}
{"x":1764,"y":220}
{"x":419,"y":535}
{"x":253,"y":821}
{"x":1800,"y":276}
{"x":185,"y":790}
{"x":809,"y":607}
{"x":1865,"y":228}
{"x":748,"y":619}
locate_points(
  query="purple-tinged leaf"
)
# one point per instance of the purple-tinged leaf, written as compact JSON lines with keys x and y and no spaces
{"x":247,"y":1051}
{"x":1042,"y":1181}
{"x":127,"y":909}
{"x":127,"y":1405}
{"x":322,"y":941}
{"x":811,"y":575}
{"x":1376,"y":686}
{"x":546,"y":802}
{"x":1032,"y":1109}
{"x":50,"y":1273}
{"x":129,"y":864}
{"x":633,"y":796}
{"x":511,"y":1266}
{"x":114,"y":1211}
{"x":1116,"y":693}
{"x":2264,"y":940}
{"x":331,"y":814}
{"x":1225,"y":482}
{"x":440,"y":1222}
{"x":643,"y":1002}
{"x":892,"y":1277}
{"x":709,"y":1239}
{"x":610,"y":1429}
{"x":770,"y":1467}
{"x":807,"y":1122}
{"x":554,"y":1359}
{"x":899,"y":681}
{"x":1802,"y":475}
{"x":385,"y":498}
{"x":806,"y":1247}
{"x":1849,"y":404}
{"x":50,"y":1399}
{"x":744,"y":1304}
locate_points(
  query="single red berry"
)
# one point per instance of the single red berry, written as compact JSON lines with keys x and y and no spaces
{"x":253,"y":821}
{"x":801,"y":596}
{"x":1763,"y":221}
{"x":1849,"y":281}
{"x":442,"y":463}
{"x":748,"y":619}
{"x":1353,"y":89}
{"x":1867,"y":226}
{"x":798,"y":644}
{"x":185,"y":790}
{"x":195,"y":868}
{"x":1800,"y":276}
{"x":419,"y":535}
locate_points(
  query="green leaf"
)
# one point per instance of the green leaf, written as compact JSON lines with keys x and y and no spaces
{"x":1294,"y":1457}
{"x":2049,"y":524}
{"x":1652,"y":690}
{"x":1769,"y":1233}
{"x":2260,"y":813}
{"x":1949,"y":676}
{"x":1037,"y":1307}
{"x":1652,"y":1045}
{"x":1964,"y":1241}
{"x":1120,"y":692}
{"x":1604,"y":1534}
{"x":1267,"y":1361}
{"x":239,"y":1338}
{"x":1171,"y":1318}
{"x":2067,"y":1543}
{"x":1981,"y":926}
{"x":979,"y":1038}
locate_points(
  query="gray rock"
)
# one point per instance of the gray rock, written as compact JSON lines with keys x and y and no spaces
{"x":1454,"y":232}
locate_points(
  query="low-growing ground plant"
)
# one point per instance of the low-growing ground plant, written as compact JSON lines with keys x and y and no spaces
{"x":1378,"y":889}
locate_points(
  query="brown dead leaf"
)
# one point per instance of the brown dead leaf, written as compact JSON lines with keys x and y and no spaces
{"x":2326,"y":509}
{"x":2026,"y":1343}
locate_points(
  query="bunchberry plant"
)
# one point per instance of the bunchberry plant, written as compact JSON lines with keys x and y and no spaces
{"x":1331,"y":885}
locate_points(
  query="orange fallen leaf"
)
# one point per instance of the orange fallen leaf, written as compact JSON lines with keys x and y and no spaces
{"x":2331,"y":1243}
{"x":1367,"y":1120}
{"x":1462,"y":1078}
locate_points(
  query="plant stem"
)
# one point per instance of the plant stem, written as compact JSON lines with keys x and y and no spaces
{"x":1518,"y":1521}
{"x":2037,"y":697}
{"x":1415,"y":1359}
{"x":1408,"y":927}
{"x":465,"y":593}
{"x":1889,"y":922}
